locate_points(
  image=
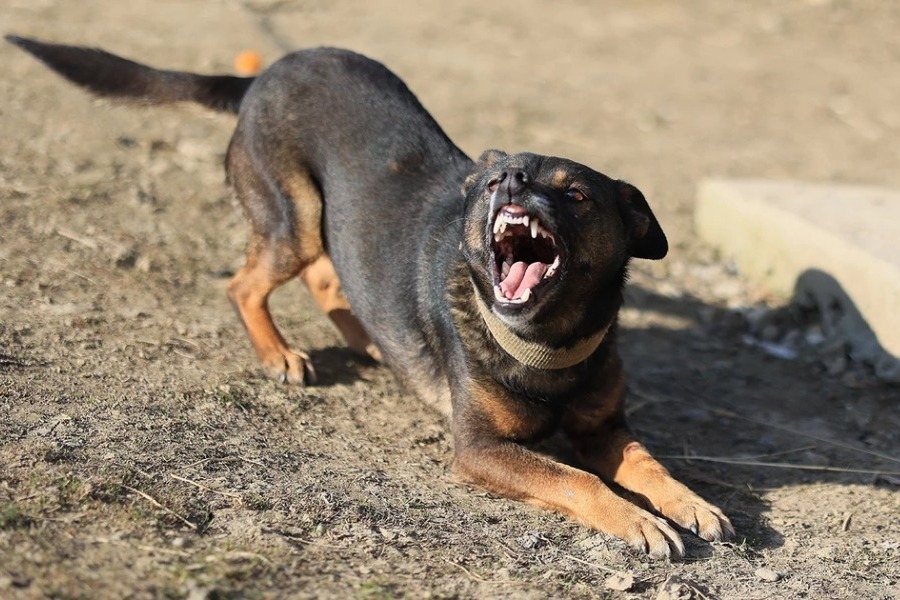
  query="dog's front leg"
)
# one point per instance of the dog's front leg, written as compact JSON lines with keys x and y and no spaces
{"x":604,"y":444}
{"x":485,"y":454}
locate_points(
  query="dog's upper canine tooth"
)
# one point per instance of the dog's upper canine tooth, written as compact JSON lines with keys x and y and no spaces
{"x":497,"y":223}
{"x":535,"y":225}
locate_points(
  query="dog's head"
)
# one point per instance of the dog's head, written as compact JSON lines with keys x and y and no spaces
{"x":548,"y":240}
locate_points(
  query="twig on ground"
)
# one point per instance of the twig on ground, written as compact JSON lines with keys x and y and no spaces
{"x":465,"y":570}
{"x":155,"y":503}
{"x":757,"y":463}
{"x":732,"y":415}
{"x":181,"y":553}
{"x":84,"y":241}
{"x":589,"y":564}
{"x":188,"y":342}
{"x":203,"y":487}
{"x":244,"y":555}
{"x":225,"y":459}
{"x":85,"y":277}
{"x":729,"y":414}
{"x":845,"y":524}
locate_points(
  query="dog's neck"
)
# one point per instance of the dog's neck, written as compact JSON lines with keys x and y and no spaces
{"x":534,"y":354}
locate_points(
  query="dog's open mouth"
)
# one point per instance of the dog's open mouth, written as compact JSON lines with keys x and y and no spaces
{"x":526,"y":256}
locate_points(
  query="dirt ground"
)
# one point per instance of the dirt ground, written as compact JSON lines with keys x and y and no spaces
{"x":143,"y":454}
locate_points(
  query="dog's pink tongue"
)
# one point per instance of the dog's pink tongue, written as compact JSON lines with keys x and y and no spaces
{"x":521,"y":277}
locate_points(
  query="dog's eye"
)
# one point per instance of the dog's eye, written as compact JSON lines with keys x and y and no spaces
{"x":575,"y":194}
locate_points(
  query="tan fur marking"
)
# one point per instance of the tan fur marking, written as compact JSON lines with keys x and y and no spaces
{"x":559,"y":179}
{"x":325,"y":287}
{"x":308,"y":206}
{"x":249,"y":292}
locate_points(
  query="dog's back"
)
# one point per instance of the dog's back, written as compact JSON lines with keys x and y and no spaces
{"x":391,"y":190}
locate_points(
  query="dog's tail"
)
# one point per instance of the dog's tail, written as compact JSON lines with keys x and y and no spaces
{"x":112,"y":76}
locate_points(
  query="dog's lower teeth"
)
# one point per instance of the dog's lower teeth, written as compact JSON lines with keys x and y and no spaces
{"x":498,"y":293}
{"x":526,"y":295}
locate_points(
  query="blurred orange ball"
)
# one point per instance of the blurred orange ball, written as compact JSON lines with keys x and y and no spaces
{"x":248,"y":63}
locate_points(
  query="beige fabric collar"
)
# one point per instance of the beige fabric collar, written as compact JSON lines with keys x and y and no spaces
{"x":534,"y":354}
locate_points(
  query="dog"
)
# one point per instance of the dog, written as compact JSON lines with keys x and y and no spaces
{"x":490,"y":287}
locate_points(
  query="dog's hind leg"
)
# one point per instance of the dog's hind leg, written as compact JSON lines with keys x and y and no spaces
{"x":285,"y":214}
{"x":317,"y":270}
{"x":325,"y":287}
{"x":285,"y":237}
{"x":249,"y":293}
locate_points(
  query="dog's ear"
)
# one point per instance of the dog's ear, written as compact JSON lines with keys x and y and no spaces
{"x":485,"y":161}
{"x":646,"y":236}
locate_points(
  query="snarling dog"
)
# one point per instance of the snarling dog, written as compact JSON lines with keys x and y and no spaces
{"x":491,"y":288}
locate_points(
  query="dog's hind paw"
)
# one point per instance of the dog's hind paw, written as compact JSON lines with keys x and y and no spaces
{"x":291,"y":367}
{"x":374,"y":353}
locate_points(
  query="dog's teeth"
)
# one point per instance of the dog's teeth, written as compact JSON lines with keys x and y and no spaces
{"x":534,"y":228}
{"x":525,"y":220}
{"x":505,"y":269}
{"x":497,"y":223}
{"x":497,"y":237}
{"x":503,"y":227}
{"x":498,"y":293}
{"x":552,"y":268}
{"x":526,"y":295}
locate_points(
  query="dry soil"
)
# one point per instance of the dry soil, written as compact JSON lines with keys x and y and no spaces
{"x":143,"y":454}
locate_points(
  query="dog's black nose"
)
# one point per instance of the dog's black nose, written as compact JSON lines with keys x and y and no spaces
{"x":514,"y":180}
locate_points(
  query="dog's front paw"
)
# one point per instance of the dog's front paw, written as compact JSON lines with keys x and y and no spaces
{"x":698,"y":516}
{"x":288,"y":366}
{"x":643,"y":531}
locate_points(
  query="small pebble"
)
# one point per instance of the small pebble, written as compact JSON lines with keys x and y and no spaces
{"x":621,"y":581}
{"x":767,"y":574}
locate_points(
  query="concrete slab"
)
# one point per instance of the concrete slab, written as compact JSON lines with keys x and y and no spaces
{"x":835,"y":246}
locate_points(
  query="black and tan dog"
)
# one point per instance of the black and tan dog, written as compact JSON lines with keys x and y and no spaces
{"x":490,"y":287}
